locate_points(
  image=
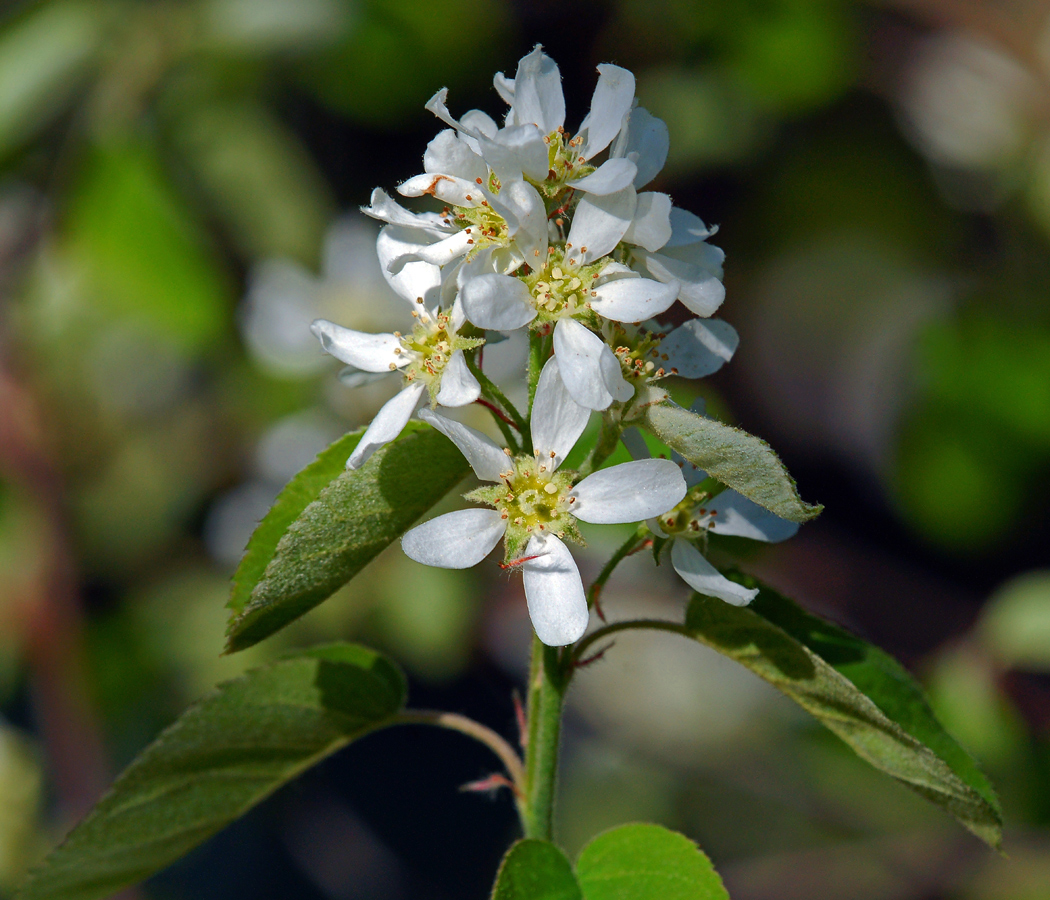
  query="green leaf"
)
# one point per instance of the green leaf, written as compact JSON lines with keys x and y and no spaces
{"x":143,"y":255}
{"x":45,"y":55}
{"x":535,"y":870}
{"x":737,"y":459}
{"x":299,"y":493}
{"x":337,"y":529}
{"x":223,"y":756}
{"x":857,"y":691}
{"x":646,"y":862}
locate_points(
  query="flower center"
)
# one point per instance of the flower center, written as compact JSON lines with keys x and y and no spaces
{"x":486,"y":227}
{"x":638,"y":352}
{"x":532,"y":499}
{"x":689,"y":516}
{"x":560,"y":290}
{"x":565,"y":162}
{"x":430,"y":347}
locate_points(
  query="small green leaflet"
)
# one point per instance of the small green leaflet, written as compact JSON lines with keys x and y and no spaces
{"x":857,"y":691}
{"x":646,"y":862}
{"x":330,"y":522}
{"x":737,"y":459}
{"x":535,"y":870}
{"x":222,"y":756}
{"x":632,"y":862}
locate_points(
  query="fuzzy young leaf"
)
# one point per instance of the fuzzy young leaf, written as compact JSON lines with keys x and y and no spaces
{"x":856,"y":691}
{"x":222,"y":757}
{"x":329,"y":523}
{"x":646,"y":862}
{"x":737,"y":459}
{"x":535,"y":870}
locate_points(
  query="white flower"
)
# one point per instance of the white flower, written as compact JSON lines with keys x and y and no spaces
{"x":536,"y":505}
{"x":431,"y":359}
{"x":689,"y":522}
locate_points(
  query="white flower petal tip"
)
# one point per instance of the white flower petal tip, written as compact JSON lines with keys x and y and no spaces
{"x":557,"y":419}
{"x":700,"y":347}
{"x":634,"y":299}
{"x":610,"y":103}
{"x":611,"y":176}
{"x":456,"y":540}
{"x":367,"y":352}
{"x":537,"y":98}
{"x":458,"y":384}
{"x":735,"y":515}
{"x":589,"y":369}
{"x":629,"y":492}
{"x":387,"y":425}
{"x":554,"y":591}
{"x":486,"y":459}
{"x":704,"y":578}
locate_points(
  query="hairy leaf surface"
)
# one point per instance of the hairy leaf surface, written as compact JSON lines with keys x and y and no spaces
{"x":222,"y":756}
{"x":737,"y":459}
{"x":323,"y":531}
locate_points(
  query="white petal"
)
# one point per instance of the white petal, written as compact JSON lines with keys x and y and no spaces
{"x":446,"y":154}
{"x":479,"y":122}
{"x":699,"y":289}
{"x":504,"y":87}
{"x":688,"y":229}
{"x":447,"y":188}
{"x":590,"y":370}
{"x":600,"y":222}
{"x":557,"y":419}
{"x":458,"y":386}
{"x":522,"y":207}
{"x":611,"y":101}
{"x":383,"y":207}
{"x":436,"y":105}
{"x":538,"y":98}
{"x":515,"y":151}
{"x":611,"y":176}
{"x":497,"y":302}
{"x":442,"y":252}
{"x":633,"y":299}
{"x":368,"y":352}
{"x":417,"y":282}
{"x":554,"y":591}
{"x":736,"y":515}
{"x":699,"y":347}
{"x":486,"y":459}
{"x":647,"y":142}
{"x":456,"y":540}
{"x":387,"y":424}
{"x":355,"y":378}
{"x":704,"y":578}
{"x":651,"y":226}
{"x":629,"y":492}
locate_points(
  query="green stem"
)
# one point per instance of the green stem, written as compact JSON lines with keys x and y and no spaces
{"x":641,"y":624}
{"x":539,"y":350}
{"x":606,"y":446}
{"x":548,"y":681}
{"x":488,"y":737}
{"x":626,"y":549}
{"x":492,"y":391}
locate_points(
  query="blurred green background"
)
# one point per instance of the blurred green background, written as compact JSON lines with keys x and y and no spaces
{"x":178,"y":192}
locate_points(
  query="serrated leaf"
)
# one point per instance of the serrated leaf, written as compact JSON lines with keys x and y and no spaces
{"x":535,"y":870}
{"x":646,"y":862}
{"x":857,"y":691}
{"x":737,"y":459}
{"x":222,"y":757}
{"x":338,"y":533}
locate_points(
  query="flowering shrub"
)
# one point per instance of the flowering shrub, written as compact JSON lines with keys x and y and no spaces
{"x":540,"y":230}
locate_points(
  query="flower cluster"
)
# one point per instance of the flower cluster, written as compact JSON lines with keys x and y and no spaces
{"x":541,"y":229}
